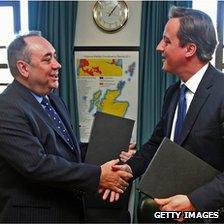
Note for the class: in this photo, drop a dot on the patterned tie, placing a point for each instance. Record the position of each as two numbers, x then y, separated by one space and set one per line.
182 106
57 120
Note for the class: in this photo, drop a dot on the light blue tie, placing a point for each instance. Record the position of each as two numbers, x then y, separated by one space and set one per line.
182 106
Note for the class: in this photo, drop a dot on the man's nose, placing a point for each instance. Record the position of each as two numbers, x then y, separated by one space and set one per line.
160 47
56 64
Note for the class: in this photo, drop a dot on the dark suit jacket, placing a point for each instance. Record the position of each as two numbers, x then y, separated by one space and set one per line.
41 179
202 134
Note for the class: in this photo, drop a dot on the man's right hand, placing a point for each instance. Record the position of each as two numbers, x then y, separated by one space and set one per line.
108 194
114 179
126 155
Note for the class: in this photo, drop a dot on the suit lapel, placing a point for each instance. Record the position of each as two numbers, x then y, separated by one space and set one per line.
26 94
59 109
55 103
42 113
201 95
50 122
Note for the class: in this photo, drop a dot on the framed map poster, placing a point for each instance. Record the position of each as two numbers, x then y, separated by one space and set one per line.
107 81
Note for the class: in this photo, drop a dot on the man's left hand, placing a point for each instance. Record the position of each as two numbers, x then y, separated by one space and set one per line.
175 203
126 155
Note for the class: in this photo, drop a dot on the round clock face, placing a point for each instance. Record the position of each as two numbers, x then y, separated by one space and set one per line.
110 15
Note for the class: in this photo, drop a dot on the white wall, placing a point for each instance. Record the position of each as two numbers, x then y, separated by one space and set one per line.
88 34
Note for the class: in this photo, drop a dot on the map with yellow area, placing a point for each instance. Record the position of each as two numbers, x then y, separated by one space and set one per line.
106 82
109 103
99 67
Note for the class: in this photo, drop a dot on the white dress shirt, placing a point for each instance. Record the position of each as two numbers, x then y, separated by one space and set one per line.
192 85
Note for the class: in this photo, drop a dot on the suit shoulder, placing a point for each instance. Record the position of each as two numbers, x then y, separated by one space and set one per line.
216 72
218 77
171 89
56 99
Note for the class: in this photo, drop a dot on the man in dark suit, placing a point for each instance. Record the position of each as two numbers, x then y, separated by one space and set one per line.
187 46
43 177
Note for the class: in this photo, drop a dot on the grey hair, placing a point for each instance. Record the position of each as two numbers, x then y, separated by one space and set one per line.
19 50
195 27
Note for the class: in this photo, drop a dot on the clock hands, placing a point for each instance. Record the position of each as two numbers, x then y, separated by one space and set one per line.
110 15
112 10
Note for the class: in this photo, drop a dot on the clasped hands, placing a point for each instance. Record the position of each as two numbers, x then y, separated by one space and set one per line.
114 178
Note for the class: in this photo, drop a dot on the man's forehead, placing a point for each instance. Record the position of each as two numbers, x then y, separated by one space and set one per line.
172 26
173 23
38 43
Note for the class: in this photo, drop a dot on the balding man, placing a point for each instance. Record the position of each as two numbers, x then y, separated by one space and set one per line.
43 177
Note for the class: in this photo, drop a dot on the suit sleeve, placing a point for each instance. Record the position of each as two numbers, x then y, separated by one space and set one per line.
210 197
22 150
142 158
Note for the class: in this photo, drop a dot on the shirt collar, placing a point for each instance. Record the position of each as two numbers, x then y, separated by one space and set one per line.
193 82
38 98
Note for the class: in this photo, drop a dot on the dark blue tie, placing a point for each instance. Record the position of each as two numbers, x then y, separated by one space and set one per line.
182 106
58 122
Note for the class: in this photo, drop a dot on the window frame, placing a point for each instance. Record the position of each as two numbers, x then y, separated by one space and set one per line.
16 13
17 27
3 65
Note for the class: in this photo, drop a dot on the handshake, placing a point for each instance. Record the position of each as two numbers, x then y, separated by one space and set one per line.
114 178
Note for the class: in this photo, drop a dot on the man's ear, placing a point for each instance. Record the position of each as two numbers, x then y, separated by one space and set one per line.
23 68
191 49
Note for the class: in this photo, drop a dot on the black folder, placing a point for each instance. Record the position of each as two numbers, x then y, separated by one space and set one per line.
109 136
174 170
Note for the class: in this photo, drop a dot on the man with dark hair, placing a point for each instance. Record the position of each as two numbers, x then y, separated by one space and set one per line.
43 177
193 109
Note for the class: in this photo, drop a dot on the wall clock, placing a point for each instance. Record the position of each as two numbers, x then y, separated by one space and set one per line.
110 16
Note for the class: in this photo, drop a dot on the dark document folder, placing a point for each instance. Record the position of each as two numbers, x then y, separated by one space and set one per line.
109 136
174 170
